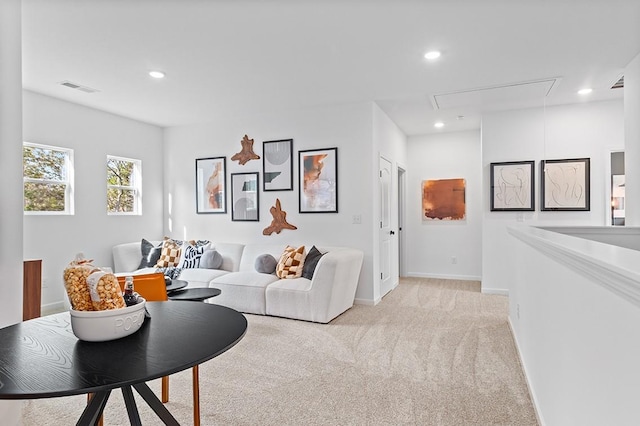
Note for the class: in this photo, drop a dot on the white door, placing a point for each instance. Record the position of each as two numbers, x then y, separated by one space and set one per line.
386 233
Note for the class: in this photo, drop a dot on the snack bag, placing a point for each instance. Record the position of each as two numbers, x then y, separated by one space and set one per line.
104 291
75 282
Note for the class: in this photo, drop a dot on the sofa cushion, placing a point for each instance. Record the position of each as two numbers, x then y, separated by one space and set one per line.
211 259
310 262
200 277
291 262
245 279
266 264
150 254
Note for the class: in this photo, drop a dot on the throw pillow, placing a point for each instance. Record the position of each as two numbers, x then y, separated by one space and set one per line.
291 263
170 254
211 259
150 254
191 254
310 262
266 264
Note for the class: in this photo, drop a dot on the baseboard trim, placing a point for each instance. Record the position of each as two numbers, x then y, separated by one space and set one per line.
500 291
367 302
443 276
52 308
536 409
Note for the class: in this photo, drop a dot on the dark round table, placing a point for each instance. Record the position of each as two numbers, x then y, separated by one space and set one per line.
176 285
194 293
42 358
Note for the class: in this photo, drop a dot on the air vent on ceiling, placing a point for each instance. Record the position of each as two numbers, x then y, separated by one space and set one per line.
78 87
619 84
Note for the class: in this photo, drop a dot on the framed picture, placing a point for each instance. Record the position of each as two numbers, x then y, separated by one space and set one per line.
277 165
444 199
211 185
245 197
564 185
318 180
512 186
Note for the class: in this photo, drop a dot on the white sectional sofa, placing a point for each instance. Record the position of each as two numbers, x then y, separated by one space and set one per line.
329 292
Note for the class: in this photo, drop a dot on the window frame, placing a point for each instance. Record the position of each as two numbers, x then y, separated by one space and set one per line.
136 179
69 205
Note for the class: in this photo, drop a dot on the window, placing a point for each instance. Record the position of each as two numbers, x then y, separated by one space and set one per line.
48 179
124 186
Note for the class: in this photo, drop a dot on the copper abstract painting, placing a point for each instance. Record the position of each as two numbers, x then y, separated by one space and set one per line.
443 199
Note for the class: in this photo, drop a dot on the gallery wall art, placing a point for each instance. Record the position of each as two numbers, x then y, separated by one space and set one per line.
512 186
565 185
211 185
318 180
245 196
246 154
443 199
277 165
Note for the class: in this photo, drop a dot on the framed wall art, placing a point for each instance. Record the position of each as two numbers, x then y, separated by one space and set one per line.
211 185
245 196
512 186
277 165
565 185
318 180
443 199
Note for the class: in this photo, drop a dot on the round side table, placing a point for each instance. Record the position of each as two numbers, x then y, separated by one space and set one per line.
198 294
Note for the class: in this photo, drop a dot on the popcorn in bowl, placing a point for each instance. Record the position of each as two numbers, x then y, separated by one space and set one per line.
110 324
98 310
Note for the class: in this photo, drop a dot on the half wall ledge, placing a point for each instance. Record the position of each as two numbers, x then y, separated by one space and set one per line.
615 268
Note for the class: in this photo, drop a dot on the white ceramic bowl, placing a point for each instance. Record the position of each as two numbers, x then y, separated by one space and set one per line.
100 326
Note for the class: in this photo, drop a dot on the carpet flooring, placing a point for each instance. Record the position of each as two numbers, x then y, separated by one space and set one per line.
432 352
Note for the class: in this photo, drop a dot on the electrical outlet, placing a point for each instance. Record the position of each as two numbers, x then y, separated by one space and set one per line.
454 260
357 219
518 310
45 283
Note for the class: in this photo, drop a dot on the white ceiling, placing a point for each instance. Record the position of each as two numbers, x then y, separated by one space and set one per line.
226 57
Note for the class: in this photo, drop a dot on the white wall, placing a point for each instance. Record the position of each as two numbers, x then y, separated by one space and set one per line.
347 127
572 131
93 135
432 244
11 188
632 141
577 339
390 143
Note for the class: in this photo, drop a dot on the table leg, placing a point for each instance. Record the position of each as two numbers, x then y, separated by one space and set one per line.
93 411
196 396
147 394
132 409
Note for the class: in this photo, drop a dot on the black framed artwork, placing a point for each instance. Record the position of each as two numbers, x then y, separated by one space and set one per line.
211 185
565 185
318 180
245 196
277 165
512 186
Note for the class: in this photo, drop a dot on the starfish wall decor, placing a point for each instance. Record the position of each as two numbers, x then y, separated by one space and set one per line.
279 221
246 153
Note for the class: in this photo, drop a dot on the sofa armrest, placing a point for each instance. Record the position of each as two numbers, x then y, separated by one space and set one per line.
335 280
126 257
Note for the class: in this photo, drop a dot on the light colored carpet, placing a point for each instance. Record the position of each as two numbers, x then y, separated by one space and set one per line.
433 352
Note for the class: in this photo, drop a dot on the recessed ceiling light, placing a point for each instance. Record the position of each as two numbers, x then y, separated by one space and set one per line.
156 74
585 91
438 125
434 54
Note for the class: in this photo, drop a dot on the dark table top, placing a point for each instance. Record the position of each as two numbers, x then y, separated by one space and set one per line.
176 285
42 358
195 293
